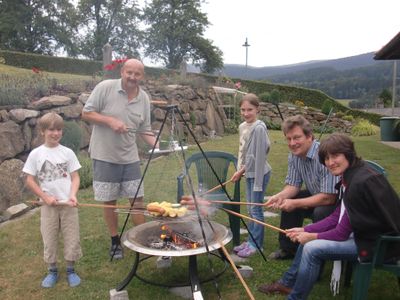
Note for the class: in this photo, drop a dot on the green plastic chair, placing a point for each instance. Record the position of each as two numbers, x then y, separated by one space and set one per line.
206 179
377 167
363 271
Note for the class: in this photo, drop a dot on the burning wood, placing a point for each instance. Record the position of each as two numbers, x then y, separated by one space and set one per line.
172 239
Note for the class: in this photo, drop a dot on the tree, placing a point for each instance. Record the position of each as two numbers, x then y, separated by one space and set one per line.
386 97
175 32
109 21
37 26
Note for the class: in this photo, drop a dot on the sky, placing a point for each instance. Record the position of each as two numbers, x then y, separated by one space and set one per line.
282 32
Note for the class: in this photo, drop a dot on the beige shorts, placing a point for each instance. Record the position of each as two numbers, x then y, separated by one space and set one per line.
56 219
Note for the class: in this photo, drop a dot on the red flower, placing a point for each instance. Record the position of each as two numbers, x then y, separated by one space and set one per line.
109 67
36 70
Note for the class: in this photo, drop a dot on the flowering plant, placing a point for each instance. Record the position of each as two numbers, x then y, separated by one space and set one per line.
238 85
113 69
115 64
36 70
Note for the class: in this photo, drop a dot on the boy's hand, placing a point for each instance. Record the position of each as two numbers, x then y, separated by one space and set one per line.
50 200
73 201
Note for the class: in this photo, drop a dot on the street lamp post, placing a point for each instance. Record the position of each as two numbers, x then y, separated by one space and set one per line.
247 45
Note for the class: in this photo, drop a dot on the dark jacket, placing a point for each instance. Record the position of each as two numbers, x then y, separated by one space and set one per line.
373 208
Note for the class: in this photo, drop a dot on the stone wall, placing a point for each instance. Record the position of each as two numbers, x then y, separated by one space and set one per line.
200 108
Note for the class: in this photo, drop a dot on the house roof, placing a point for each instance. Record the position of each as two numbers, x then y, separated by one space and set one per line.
390 51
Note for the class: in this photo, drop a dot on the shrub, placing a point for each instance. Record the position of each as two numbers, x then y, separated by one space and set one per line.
264 97
86 172
71 136
231 127
364 128
322 129
348 118
299 103
339 114
270 125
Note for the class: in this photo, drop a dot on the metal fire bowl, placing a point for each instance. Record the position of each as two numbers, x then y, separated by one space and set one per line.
137 238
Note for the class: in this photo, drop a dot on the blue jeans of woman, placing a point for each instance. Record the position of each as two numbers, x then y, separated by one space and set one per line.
304 271
256 212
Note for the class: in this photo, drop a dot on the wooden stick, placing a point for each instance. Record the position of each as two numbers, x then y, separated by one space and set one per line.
216 187
254 220
159 102
84 204
236 203
236 271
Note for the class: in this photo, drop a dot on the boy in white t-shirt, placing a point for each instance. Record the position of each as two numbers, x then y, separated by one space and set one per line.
52 175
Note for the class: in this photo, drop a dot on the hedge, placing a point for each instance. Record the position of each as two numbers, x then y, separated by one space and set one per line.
51 63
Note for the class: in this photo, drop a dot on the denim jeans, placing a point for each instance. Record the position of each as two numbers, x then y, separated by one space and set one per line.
256 212
304 271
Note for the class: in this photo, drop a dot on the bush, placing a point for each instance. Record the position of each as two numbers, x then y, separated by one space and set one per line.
339 114
364 128
264 97
86 172
231 127
299 103
71 136
348 118
271 125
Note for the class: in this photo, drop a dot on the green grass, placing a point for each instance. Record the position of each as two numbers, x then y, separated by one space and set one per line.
21 248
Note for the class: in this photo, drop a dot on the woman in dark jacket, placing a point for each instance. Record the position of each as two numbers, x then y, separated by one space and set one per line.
372 204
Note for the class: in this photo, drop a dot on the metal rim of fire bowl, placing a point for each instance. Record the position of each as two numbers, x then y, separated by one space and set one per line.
130 241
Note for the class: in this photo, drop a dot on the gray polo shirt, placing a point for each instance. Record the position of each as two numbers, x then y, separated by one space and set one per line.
108 98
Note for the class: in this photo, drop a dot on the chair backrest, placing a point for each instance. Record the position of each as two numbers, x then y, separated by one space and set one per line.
220 162
376 167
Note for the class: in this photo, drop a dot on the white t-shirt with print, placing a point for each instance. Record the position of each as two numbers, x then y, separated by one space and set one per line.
52 168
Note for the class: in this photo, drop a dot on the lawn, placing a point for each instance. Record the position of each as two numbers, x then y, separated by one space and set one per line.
22 266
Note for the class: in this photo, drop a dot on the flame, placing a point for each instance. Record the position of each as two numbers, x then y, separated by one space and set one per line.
177 238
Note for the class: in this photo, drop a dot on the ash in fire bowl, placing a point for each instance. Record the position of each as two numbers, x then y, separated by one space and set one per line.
176 238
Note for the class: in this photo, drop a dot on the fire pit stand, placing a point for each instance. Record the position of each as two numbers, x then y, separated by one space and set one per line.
139 239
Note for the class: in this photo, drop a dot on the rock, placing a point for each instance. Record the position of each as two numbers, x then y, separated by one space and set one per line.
184 292
20 114
200 117
86 131
11 140
164 262
15 211
11 184
245 271
4 115
118 295
83 98
69 112
48 102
